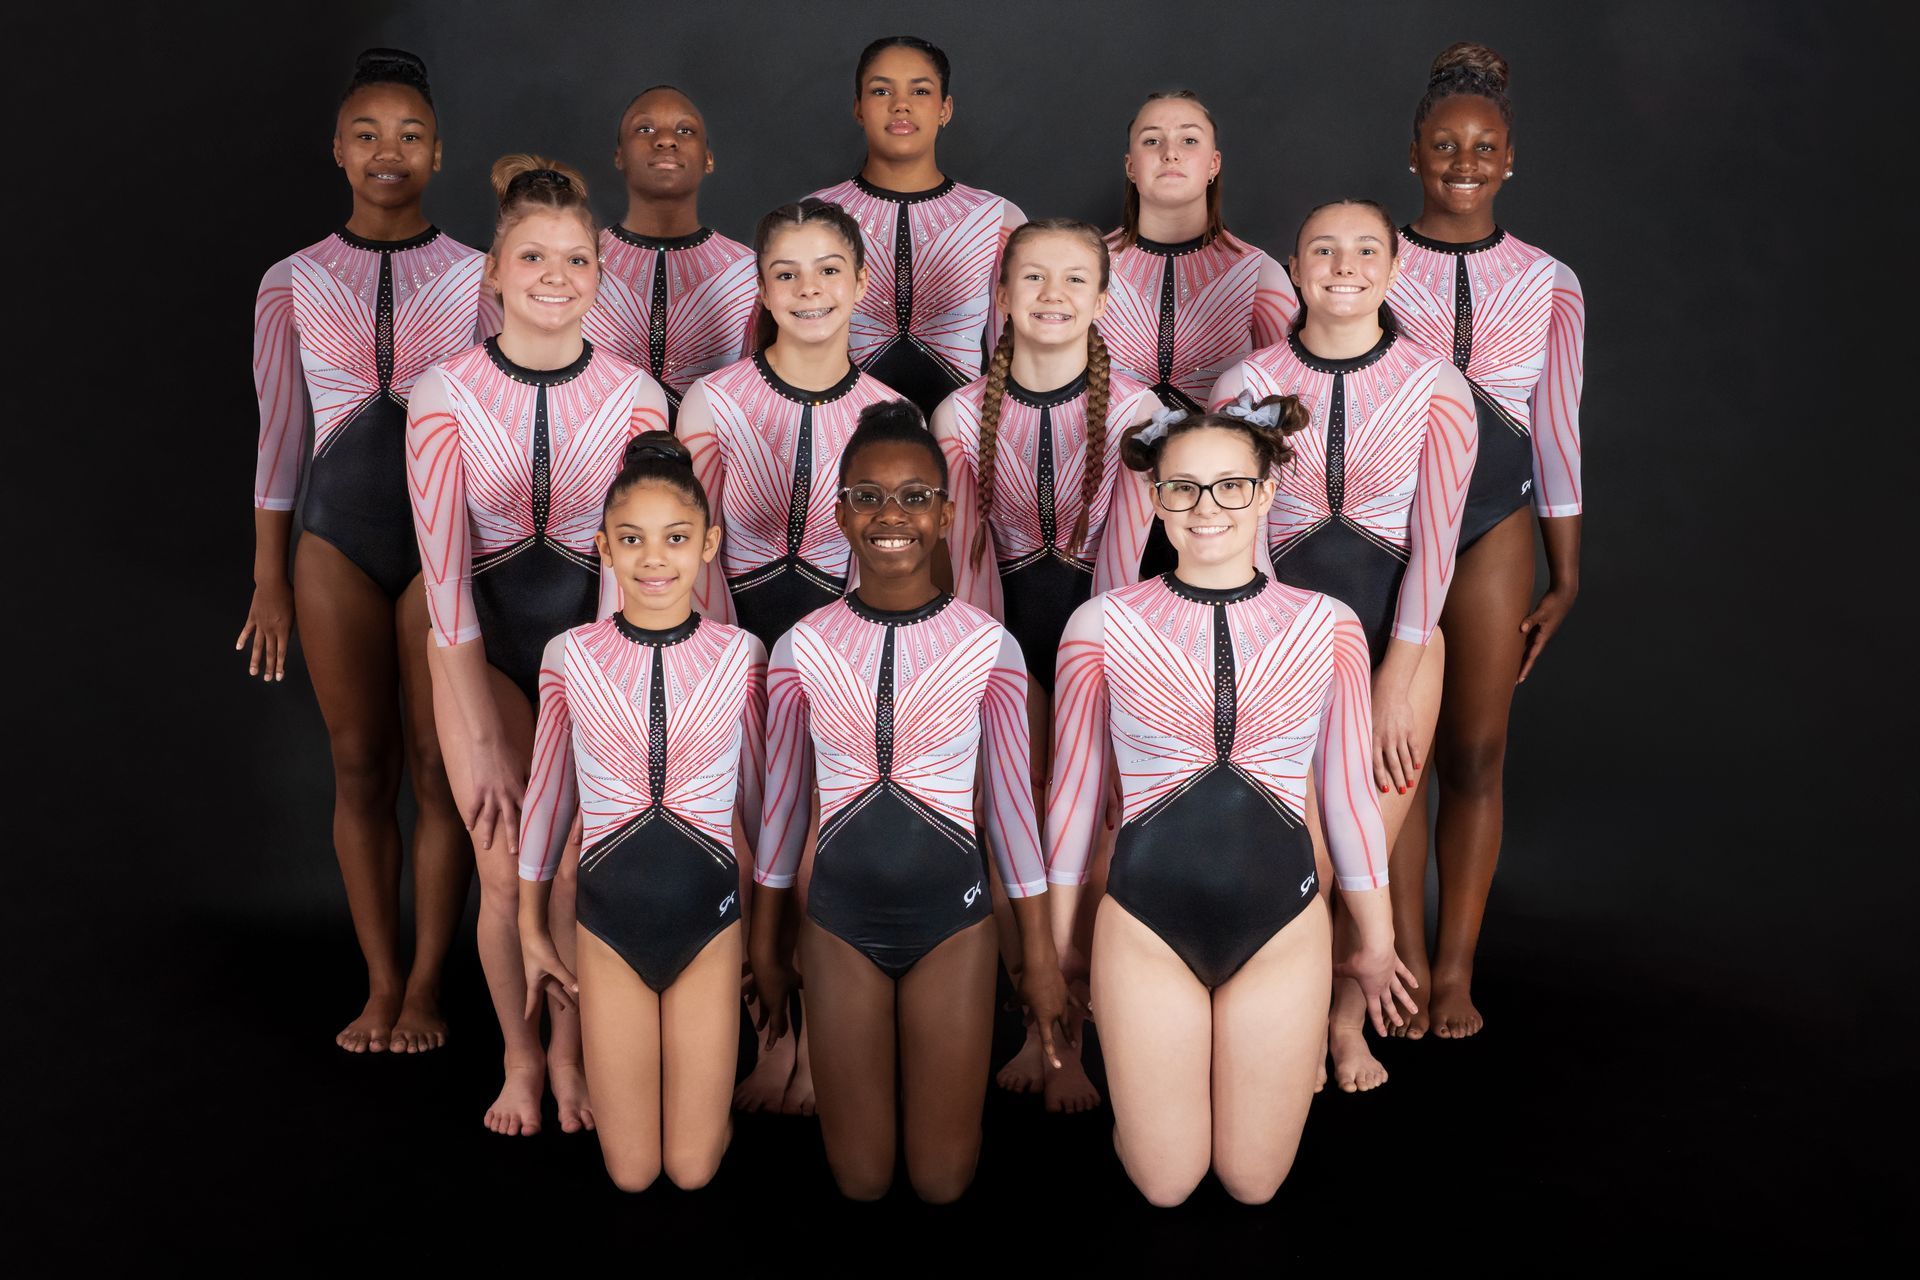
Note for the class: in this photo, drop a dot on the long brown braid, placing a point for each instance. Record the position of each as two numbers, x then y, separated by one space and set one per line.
1097 371
990 422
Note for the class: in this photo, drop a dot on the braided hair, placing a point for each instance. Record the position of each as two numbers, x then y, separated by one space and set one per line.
1466 69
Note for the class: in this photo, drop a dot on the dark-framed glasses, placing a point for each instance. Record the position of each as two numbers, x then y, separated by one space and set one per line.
1230 493
913 498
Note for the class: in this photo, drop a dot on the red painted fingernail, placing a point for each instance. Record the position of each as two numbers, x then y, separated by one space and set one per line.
1383 786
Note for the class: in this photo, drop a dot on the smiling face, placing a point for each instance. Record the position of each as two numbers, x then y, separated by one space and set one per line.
546 269
900 106
1052 288
1462 155
656 541
1209 535
1171 154
387 142
894 544
1344 262
808 283
663 146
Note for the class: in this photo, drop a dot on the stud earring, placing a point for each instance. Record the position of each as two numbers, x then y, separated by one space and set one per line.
1410 169
1509 173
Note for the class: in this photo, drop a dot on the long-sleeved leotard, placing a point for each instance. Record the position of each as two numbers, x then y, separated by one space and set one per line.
1514 321
1369 509
932 259
1179 315
679 308
768 455
892 716
345 327
657 737
1216 705
509 469
1030 575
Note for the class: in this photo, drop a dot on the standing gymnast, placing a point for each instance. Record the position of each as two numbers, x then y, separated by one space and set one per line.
510 449
924 327
342 329
1514 321
1044 514
676 297
1217 692
651 725
1368 511
895 701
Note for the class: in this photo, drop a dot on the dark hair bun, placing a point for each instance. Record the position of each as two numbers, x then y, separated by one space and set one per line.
656 445
521 173
897 415
390 66
1466 59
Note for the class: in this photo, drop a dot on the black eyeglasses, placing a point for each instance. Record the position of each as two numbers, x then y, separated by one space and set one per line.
913 498
1231 493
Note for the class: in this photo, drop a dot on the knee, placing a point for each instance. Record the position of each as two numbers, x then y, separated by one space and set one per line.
365 769
942 1184
1474 764
1166 1183
692 1166
1250 1185
862 1180
632 1172
429 768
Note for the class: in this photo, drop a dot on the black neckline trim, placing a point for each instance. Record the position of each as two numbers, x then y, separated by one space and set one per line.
1209 595
904 197
800 395
1353 364
665 243
1048 399
539 377
351 240
1449 246
658 639
1161 249
896 617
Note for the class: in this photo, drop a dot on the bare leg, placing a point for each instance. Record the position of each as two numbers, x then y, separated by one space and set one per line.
620 1017
565 1074
852 1004
1491 592
798 1100
1026 1071
1156 1030
1323 871
346 630
946 1046
1266 1038
1407 866
766 1083
700 1033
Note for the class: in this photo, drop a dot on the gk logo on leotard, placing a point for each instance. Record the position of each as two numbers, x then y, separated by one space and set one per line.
972 893
1306 886
1526 487
727 902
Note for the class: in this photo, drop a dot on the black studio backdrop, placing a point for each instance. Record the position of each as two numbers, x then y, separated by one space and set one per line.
1690 823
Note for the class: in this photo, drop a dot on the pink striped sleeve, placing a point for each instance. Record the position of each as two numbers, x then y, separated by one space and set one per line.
753 742
1013 829
1439 503
1076 793
1343 762
785 811
437 486
976 582
1556 401
649 407
1275 304
1129 512
552 792
699 432
280 385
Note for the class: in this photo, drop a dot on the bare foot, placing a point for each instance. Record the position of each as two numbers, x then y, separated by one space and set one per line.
516 1112
373 1029
420 1026
799 1096
1419 1022
1069 1090
1451 1005
766 1084
1355 1069
569 1085
1022 1073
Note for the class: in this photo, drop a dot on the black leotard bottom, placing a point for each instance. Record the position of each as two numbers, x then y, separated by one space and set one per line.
357 495
915 372
1502 480
893 880
523 598
1216 870
770 599
1041 594
657 891
1339 560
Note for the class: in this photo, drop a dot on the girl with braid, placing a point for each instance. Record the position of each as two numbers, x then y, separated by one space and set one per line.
1045 517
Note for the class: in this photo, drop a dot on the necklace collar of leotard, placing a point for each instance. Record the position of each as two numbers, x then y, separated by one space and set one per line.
539 377
667 243
903 197
897 617
1160 248
1209 595
1320 364
800 395
1047 399
1450 246
659 639
387 246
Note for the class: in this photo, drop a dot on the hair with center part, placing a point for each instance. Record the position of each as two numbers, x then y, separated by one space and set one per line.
1466 69
934 54
1129 231
789 217
891 422
1270 448
655 457
1098 383
1392 236
527 184
389 66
